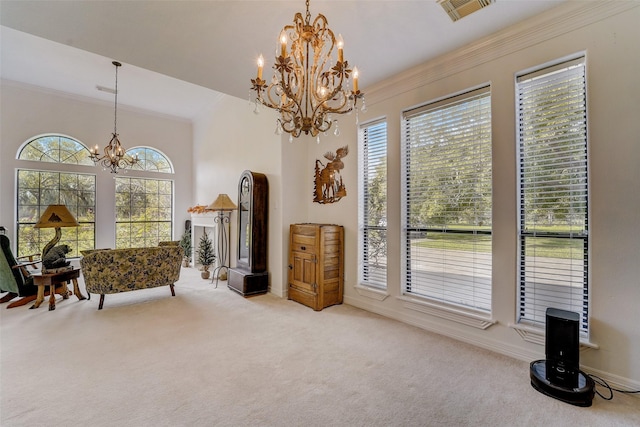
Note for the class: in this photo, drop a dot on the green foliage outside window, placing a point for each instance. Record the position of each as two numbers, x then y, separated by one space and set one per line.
150 160
144 207
39 189
143 212
56 149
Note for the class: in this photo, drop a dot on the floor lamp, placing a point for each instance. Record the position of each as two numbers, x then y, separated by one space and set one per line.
223 205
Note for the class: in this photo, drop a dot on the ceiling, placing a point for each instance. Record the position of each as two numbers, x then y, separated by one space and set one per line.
180 56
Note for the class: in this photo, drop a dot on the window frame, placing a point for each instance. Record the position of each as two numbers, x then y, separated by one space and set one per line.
475 304
61 166
146 240
534 296
80 160
373 274
143 164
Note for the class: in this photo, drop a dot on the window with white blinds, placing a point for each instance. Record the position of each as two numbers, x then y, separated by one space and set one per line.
554 193
373 204
446 200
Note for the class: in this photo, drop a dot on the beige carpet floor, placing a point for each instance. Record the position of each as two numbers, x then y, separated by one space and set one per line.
208 357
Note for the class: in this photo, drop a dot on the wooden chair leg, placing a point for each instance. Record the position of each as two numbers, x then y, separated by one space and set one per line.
101 301
173 292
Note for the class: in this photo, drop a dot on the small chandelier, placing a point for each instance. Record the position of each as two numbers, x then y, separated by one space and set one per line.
114 156
307 86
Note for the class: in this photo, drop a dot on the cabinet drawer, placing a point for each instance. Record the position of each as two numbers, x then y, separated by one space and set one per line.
303 243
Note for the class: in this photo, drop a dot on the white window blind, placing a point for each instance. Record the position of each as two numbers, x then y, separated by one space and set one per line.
373 204
446 206
553 185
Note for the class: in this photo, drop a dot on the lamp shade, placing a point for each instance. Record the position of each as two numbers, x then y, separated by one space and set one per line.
56 216
222 203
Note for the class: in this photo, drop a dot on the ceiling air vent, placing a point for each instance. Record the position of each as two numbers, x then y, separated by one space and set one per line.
457 9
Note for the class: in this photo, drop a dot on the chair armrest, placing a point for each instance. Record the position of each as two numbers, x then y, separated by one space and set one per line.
29 257
25 271
25 264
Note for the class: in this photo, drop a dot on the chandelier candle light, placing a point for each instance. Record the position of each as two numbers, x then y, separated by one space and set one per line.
114 157
307 87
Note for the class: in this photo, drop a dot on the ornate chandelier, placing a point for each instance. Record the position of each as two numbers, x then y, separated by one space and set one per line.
307 86
114 156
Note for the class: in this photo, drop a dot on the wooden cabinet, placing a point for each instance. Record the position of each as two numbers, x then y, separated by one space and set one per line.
316 264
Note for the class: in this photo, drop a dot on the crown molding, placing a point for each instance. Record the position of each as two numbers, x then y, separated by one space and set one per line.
540 28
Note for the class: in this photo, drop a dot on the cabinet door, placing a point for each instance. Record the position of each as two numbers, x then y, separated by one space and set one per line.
302 275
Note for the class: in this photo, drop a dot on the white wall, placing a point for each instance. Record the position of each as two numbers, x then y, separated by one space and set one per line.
228 140
28 111
610 40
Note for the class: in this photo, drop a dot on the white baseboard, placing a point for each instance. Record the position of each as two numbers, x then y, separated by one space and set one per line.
490 344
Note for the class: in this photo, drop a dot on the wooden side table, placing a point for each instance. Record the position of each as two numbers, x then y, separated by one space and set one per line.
42 280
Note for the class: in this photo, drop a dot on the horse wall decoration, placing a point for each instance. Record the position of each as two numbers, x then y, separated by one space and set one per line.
328 185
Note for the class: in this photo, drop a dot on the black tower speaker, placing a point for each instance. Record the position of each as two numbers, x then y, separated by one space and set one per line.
562 347
559 375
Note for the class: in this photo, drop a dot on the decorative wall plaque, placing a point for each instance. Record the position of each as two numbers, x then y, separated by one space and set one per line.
328 186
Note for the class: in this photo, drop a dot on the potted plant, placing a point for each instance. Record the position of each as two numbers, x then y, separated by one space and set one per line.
185 244
205 254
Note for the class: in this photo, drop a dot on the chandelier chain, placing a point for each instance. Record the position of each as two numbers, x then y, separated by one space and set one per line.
115 108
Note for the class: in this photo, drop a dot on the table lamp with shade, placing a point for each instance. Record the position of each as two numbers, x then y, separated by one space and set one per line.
55 216
223 205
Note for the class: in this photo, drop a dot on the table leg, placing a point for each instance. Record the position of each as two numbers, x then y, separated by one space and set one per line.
76 290
52 297
39 297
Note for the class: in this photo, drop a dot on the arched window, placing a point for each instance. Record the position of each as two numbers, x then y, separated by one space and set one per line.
150 160
55 149
55 184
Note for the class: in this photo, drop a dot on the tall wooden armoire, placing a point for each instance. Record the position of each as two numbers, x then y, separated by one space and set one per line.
316 264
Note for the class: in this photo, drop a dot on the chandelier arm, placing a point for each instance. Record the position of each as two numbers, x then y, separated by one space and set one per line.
324 106
286 88
269 102
294 109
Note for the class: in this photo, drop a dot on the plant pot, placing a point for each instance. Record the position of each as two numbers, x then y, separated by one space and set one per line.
205 274
185 262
